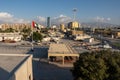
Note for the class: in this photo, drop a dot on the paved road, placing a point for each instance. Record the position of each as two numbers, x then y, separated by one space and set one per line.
110 41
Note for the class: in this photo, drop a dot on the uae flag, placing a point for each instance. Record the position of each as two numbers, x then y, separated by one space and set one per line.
35 25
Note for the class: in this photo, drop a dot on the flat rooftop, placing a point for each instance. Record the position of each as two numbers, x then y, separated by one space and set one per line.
14 50
59 48
9 63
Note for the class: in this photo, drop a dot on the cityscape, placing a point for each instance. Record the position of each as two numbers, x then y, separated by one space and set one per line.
60 40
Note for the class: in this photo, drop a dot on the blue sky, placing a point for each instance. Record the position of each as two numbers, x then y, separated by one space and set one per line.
60 10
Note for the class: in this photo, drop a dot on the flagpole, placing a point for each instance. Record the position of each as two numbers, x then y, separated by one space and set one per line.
32 35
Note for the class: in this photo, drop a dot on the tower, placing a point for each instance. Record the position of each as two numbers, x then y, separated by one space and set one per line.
48 22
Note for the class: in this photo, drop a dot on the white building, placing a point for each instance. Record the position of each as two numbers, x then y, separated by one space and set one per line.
10 36
90 40
81 37
46 39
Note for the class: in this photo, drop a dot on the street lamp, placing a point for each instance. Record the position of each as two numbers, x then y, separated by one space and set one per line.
74 16
74 13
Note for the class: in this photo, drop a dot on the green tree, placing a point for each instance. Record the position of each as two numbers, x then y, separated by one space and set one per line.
1 30
37 36
9 30
102 65
26 32
113 64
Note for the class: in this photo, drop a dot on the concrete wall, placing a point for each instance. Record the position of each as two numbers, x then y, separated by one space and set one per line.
12 77
24 72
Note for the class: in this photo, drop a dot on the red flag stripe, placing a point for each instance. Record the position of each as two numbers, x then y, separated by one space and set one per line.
33 24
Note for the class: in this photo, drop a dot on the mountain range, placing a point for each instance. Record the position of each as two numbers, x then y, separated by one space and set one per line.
99 25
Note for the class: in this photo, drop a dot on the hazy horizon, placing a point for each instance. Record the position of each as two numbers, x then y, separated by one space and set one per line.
60 11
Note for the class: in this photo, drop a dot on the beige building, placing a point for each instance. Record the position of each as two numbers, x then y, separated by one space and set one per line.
116 34
73 25
75 32
16 67
62 27
17 27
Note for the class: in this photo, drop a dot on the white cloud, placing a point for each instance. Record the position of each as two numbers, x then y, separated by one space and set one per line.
60 16
41 19
9 18
108 19
101 19
61 19
5 15
55 20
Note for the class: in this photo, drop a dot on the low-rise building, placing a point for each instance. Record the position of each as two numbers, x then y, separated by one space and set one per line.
117 34
89 40
77 32
81 37
16 67
10 37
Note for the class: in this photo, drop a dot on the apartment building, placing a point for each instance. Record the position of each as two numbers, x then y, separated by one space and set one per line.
73 24
17 27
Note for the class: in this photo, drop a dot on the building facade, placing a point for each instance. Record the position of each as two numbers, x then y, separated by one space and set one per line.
75 32
73 25
62 27
16 67
10 37
17 27
48 22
